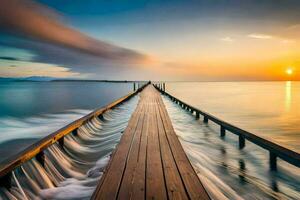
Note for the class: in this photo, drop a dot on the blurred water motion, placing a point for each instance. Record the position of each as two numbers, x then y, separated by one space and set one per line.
72 171
32 110
268 109
227 172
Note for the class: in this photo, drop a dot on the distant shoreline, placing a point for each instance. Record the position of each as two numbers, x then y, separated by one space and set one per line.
76 80
46 79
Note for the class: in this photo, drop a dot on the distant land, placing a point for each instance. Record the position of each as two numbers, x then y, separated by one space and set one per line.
53 79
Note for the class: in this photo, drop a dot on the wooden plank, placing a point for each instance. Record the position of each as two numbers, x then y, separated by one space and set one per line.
139 185
109 186
191 181
175 187
126 187
155 184
149 162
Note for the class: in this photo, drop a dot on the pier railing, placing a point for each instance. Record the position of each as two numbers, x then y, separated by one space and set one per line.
274 149
36 150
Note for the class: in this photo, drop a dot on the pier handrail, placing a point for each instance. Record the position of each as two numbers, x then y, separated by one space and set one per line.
275 150
37 148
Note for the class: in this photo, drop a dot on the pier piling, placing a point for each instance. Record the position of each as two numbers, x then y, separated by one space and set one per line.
273 161
61 142
205 120
241 141
40 157
5 181
223 131
75 132
197 115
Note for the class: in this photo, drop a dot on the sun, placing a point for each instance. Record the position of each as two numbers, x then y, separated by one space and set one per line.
289 71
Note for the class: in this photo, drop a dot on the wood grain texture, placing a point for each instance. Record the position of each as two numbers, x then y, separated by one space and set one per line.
149 162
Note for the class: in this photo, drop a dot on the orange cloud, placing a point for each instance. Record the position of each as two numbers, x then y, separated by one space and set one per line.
37 22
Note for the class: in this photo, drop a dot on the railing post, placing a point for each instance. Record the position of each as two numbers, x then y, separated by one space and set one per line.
40 157
241 141
5 181
223 131
273 161
134 86
75 132
197 115
205 120
61 141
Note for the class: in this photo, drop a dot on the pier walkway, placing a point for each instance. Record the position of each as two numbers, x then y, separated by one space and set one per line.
149 162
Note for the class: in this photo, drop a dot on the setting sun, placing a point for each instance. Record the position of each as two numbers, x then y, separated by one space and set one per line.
289 71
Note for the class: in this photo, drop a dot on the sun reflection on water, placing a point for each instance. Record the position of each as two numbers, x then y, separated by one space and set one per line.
288 95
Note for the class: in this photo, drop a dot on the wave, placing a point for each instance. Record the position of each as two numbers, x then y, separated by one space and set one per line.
73 170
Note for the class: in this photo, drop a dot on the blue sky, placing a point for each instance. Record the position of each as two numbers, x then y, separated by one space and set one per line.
184 40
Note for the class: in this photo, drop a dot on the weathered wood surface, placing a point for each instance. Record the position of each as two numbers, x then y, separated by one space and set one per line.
149 162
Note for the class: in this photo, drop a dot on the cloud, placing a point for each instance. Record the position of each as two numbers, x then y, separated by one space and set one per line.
36 69
260 36
35 21
227 39
9 58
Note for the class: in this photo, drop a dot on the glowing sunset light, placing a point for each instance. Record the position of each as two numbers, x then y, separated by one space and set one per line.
289 71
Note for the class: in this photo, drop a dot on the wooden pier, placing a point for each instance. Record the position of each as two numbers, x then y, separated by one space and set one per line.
149 162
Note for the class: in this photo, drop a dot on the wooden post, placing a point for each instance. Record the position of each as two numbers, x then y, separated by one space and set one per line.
197 115
241 141
100 117
273 161
40 157
74 132
164 87
134 86
223 131
205 120
61 142
5 181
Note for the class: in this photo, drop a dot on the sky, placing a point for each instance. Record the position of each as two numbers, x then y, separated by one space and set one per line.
178 40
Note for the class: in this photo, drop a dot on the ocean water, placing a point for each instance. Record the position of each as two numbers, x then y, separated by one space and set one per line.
32 110
72 171
226 171
268 109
